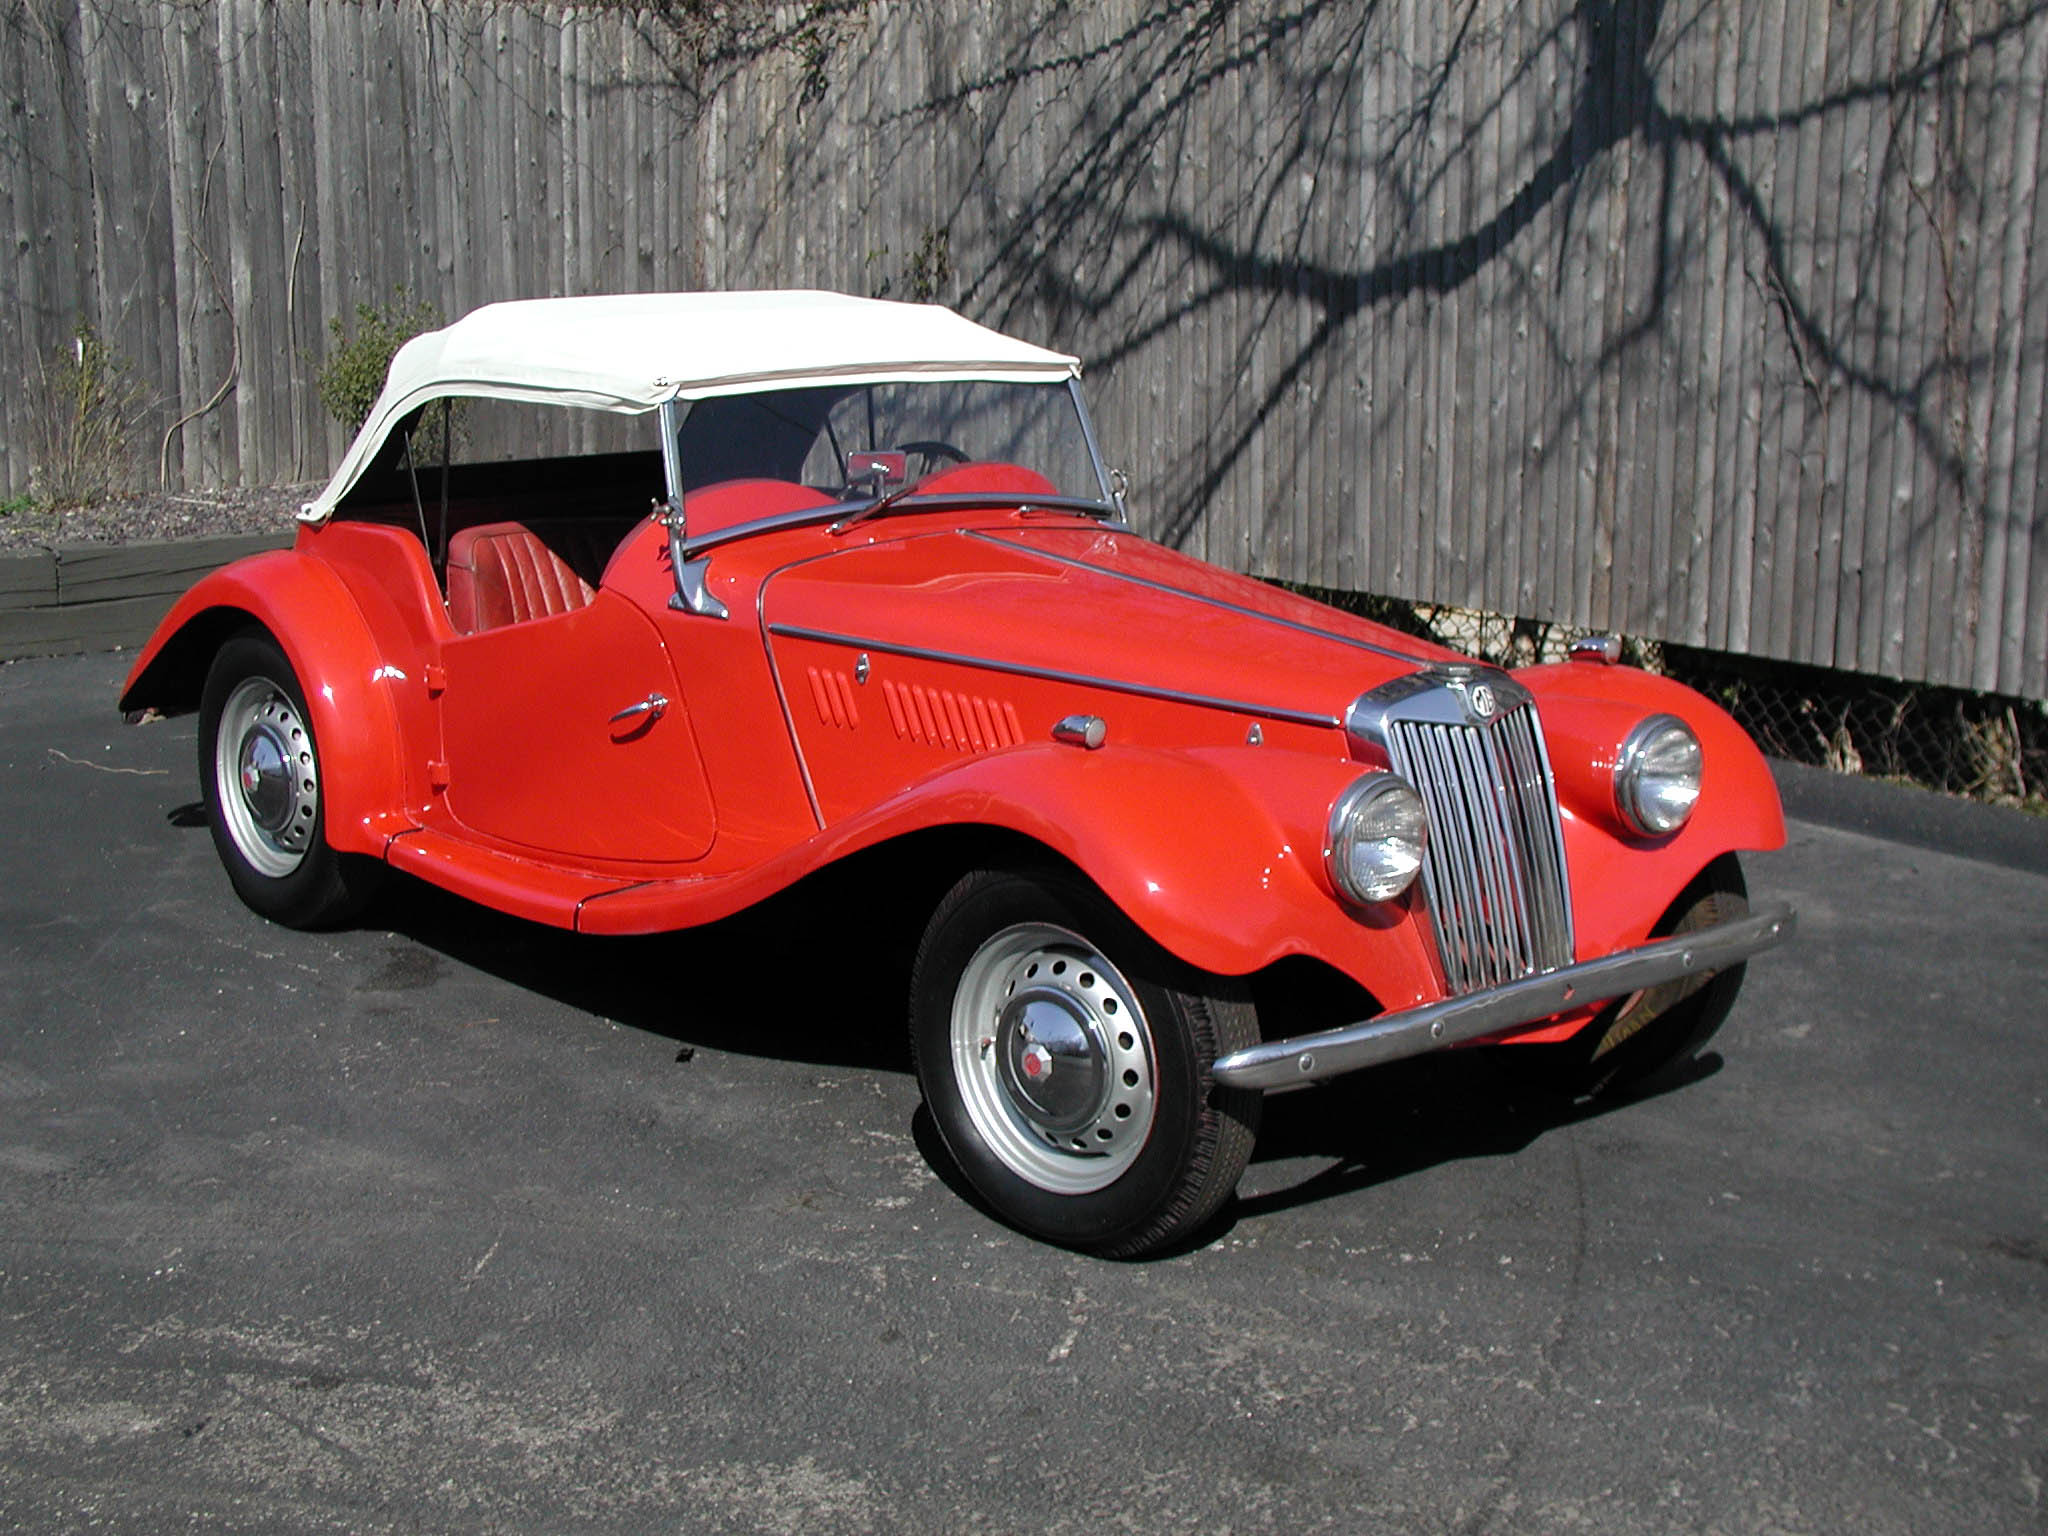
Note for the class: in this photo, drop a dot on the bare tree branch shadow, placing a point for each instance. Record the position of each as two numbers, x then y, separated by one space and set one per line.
1115 243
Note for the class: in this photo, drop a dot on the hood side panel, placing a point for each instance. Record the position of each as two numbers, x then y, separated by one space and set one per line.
1106 609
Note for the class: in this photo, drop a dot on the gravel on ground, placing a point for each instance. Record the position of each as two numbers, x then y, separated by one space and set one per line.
155 515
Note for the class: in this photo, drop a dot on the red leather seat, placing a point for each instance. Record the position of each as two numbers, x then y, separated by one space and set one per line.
508 573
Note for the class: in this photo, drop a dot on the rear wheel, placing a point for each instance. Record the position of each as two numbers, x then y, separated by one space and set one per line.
1065 1060
259 771
1662 1027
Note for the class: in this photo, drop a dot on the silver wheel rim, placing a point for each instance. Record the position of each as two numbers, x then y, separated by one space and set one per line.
267 777
1054 1059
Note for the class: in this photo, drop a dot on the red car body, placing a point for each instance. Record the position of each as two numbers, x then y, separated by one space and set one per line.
1015 681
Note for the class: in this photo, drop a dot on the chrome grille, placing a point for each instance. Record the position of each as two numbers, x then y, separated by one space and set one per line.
1493 876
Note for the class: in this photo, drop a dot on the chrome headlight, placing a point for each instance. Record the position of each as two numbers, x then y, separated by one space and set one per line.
1657 776
1377 832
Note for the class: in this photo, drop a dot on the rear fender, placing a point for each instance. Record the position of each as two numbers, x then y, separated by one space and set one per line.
306 609
1216 854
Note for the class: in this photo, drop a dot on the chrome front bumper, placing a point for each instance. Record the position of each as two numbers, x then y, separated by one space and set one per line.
1431 1026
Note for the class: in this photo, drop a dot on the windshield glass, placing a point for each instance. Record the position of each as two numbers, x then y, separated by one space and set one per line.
855 443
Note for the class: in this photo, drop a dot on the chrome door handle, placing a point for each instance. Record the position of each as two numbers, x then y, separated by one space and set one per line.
654 706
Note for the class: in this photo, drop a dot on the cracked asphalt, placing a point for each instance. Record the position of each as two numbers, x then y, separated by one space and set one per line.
445 1223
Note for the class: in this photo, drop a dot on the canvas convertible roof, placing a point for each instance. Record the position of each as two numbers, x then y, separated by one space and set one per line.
631 352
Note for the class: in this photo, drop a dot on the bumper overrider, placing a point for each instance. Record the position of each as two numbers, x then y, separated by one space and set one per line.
1432 1026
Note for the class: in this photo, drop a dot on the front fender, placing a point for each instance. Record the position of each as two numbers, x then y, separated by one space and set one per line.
1621 881
1216 854
309 612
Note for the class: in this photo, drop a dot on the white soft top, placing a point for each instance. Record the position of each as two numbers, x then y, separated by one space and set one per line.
632 352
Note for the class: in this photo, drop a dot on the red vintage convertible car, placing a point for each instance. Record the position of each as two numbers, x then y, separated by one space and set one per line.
886 595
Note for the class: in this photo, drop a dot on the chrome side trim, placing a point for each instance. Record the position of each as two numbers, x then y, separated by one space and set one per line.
1196 597
796 741
1432 1026
576 915
1047 674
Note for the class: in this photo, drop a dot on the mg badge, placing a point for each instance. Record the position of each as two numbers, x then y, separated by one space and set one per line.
1480 698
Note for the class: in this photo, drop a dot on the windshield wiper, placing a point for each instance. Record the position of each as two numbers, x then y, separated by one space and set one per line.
874 508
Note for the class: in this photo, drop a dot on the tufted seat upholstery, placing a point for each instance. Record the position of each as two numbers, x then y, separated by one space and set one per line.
507 573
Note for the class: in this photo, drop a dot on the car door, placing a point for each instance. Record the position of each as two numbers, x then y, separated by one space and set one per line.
568 735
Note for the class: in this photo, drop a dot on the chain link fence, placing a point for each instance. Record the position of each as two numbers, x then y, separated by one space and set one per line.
1984 746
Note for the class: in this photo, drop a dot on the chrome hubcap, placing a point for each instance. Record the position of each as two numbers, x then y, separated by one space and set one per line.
268 779
1054 1058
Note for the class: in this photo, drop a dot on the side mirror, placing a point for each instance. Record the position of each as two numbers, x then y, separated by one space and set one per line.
878 471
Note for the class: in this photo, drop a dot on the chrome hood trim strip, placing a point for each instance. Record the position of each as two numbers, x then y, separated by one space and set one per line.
1048 674
1022 547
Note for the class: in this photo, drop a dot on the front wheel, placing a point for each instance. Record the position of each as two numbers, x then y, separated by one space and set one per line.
259 771
1648 1037
1065 1060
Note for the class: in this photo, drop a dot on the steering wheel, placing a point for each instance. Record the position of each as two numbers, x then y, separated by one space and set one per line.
932 451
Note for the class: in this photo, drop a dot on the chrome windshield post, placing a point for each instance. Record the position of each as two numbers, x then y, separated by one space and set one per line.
1112 481
693 592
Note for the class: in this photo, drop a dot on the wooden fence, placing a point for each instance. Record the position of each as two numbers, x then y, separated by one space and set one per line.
1712 322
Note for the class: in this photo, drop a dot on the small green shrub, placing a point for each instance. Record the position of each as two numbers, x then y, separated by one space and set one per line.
85 419
354 373
10 505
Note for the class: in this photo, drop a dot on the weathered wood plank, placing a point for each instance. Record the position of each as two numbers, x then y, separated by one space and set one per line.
2023 70
1822 484
1725 327
1922 486
2024 661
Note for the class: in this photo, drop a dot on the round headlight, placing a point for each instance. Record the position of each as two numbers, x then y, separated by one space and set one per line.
1657 776
1378 829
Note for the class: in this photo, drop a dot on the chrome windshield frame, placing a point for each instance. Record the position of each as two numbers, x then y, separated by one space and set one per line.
1109 506
1111 496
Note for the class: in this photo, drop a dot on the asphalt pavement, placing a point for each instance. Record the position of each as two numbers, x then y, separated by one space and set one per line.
447 1223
